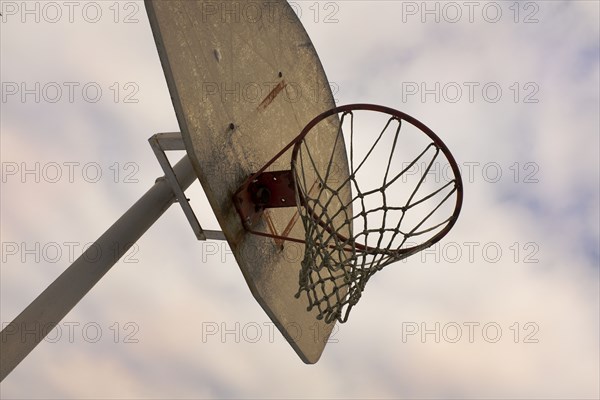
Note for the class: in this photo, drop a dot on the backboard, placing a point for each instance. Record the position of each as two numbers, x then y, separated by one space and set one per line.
245 79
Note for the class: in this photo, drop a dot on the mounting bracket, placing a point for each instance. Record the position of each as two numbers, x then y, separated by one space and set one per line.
273 189
166 141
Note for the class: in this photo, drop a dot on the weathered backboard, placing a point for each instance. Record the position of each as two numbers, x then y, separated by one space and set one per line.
245 79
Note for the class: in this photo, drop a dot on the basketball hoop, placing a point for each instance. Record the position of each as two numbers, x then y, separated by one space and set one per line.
353 230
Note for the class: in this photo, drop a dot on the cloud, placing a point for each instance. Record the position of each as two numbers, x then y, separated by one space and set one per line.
523 256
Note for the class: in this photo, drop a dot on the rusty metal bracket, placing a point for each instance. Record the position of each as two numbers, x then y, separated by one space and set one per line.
273 189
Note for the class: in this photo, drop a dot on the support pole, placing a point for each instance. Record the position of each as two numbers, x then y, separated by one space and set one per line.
30 327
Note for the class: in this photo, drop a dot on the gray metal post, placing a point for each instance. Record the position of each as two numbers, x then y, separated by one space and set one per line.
31 326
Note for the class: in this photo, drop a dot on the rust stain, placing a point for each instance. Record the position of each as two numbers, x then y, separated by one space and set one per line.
272 229
271 96
294 219
291 224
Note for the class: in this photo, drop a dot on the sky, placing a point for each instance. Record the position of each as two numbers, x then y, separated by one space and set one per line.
506 306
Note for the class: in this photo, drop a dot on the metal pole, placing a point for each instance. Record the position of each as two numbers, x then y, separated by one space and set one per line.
33 324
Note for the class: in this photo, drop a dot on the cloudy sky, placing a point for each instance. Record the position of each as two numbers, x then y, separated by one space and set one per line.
505 306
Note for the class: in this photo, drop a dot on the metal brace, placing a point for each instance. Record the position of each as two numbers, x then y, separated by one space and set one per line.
160 143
